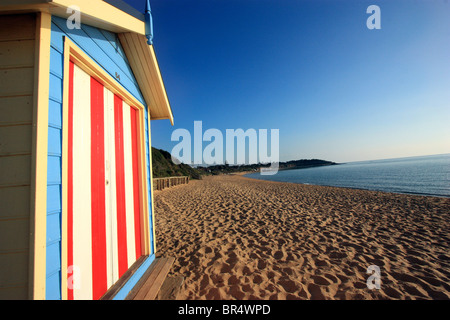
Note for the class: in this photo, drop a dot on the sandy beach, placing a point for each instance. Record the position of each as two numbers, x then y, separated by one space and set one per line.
234 237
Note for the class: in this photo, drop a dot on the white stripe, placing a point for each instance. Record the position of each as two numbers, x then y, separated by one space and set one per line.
113 195
82 243
128 168
108 108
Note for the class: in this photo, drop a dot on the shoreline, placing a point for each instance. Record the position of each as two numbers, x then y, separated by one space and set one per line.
235 237
355 188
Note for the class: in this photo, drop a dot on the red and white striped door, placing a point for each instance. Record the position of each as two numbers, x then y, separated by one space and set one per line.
103 210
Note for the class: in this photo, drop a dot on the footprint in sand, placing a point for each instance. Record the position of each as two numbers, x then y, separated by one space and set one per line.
278 255
316 292
319 280
261 264
288 285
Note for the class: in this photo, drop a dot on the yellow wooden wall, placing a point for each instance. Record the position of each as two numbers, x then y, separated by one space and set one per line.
17 59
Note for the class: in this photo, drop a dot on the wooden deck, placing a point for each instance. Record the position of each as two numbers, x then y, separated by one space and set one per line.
170 288
151 282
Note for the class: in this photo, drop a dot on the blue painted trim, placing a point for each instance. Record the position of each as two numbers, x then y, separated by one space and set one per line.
54 182
148 23
149 182
122 294
99 48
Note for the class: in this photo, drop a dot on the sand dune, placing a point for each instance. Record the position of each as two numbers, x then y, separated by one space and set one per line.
240 238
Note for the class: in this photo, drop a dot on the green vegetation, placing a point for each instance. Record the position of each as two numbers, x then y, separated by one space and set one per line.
294 164
305 163
163 166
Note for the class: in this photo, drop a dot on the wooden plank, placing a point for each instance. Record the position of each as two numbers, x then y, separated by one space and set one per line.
102 15
23 26
91 48
146 69
129 191
148 152
15 170
162 183
142 281
114 41
16 82
14 201
14 236
170 288
154 75
22 2
154 280
160 83
138 64
109 295
16 110
95 13
110 50
158 281
17 34
15 140
38 168
147 280
13 278
81 189
88 64
15 54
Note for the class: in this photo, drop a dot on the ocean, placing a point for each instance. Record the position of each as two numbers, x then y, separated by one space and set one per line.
422 175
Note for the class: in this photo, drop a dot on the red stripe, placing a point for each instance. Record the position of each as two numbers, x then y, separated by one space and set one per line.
137 214
70 183
98 218
120 187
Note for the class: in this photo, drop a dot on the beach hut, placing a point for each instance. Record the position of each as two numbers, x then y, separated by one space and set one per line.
79 86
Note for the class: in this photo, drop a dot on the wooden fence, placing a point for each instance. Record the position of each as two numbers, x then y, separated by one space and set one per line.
162 183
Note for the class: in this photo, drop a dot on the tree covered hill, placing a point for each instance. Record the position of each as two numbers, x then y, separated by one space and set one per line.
163 166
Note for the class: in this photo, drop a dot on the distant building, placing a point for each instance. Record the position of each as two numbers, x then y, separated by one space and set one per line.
76 208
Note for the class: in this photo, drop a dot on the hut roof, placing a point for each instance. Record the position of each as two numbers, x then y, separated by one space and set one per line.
118 17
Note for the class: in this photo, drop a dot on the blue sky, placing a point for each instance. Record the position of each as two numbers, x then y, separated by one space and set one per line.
312 69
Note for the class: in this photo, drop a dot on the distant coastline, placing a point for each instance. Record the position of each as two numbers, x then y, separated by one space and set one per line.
163 166
289 165
305 163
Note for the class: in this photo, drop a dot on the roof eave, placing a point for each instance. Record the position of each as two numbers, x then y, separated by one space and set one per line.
143 62
131 31
96 13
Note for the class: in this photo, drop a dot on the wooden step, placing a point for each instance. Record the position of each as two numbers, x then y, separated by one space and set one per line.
170 288
148 287
109 295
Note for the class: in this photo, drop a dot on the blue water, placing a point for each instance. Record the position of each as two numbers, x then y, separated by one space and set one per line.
424 175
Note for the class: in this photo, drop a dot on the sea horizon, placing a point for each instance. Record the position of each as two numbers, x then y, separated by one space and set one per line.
426 175
396 158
